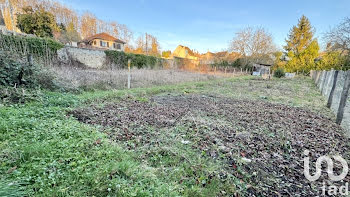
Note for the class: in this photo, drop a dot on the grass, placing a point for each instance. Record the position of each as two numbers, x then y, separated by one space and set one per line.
91 79
44 152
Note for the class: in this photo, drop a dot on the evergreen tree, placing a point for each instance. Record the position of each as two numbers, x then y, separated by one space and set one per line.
301 48
36 21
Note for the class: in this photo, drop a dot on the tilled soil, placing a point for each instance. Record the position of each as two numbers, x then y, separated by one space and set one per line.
262 143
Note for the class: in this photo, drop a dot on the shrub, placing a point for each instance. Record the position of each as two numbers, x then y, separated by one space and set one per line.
38 47
120 59
16 72
279 72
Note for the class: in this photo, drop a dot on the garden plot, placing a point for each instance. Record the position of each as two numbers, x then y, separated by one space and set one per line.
259 145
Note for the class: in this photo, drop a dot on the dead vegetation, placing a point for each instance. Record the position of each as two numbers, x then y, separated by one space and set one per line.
117 78
260 143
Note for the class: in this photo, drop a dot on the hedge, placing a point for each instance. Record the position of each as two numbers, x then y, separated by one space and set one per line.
120 59
38 47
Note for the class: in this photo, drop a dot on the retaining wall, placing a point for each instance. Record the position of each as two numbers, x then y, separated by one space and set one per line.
95 58
324 81
82 57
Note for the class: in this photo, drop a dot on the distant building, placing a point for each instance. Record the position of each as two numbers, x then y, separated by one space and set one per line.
72 44
210 58
102 41
184 52
261 69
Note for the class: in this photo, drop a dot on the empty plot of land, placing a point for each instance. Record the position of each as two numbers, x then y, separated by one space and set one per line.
257 140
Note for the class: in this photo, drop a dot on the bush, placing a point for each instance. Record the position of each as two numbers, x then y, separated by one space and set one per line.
16 72
279 72
38 47
120 59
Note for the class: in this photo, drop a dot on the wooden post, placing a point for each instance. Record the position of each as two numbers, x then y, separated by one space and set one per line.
330 98
30 59
343 98
129 73
215 70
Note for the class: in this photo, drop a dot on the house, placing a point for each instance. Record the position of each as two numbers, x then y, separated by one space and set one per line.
102 41
184 52
211 58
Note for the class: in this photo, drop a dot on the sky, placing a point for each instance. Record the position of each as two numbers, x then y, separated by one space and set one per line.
210 24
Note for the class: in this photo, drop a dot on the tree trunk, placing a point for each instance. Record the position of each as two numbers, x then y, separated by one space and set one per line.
2 21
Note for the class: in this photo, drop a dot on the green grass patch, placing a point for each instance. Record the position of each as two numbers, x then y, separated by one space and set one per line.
45 152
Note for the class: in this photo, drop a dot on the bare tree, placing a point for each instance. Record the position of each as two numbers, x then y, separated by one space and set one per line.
338 38
125 34
88 24
253 43
2 20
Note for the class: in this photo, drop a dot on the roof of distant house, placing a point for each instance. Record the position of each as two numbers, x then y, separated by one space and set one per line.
189 51
103 36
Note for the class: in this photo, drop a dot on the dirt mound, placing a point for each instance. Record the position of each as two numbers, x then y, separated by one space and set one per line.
262 143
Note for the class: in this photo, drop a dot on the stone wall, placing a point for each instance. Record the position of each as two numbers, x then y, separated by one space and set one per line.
82 57
324 81
96 58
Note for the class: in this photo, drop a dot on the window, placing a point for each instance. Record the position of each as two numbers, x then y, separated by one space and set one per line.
117 46
103 44
94 42
107 44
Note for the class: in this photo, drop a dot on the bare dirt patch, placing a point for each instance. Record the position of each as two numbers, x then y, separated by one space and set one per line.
261 143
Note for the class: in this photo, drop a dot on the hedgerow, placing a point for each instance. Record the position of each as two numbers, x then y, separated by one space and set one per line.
120 59
38 47
238 63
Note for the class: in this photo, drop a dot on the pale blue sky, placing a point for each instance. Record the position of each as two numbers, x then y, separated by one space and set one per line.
205 24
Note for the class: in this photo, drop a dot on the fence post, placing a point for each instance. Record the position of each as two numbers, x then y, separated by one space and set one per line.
129 73
30 59
330 98
343 98
21 73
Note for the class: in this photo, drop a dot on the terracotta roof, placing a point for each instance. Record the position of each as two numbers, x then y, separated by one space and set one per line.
103 36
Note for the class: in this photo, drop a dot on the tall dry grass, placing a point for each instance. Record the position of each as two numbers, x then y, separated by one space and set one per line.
88 79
